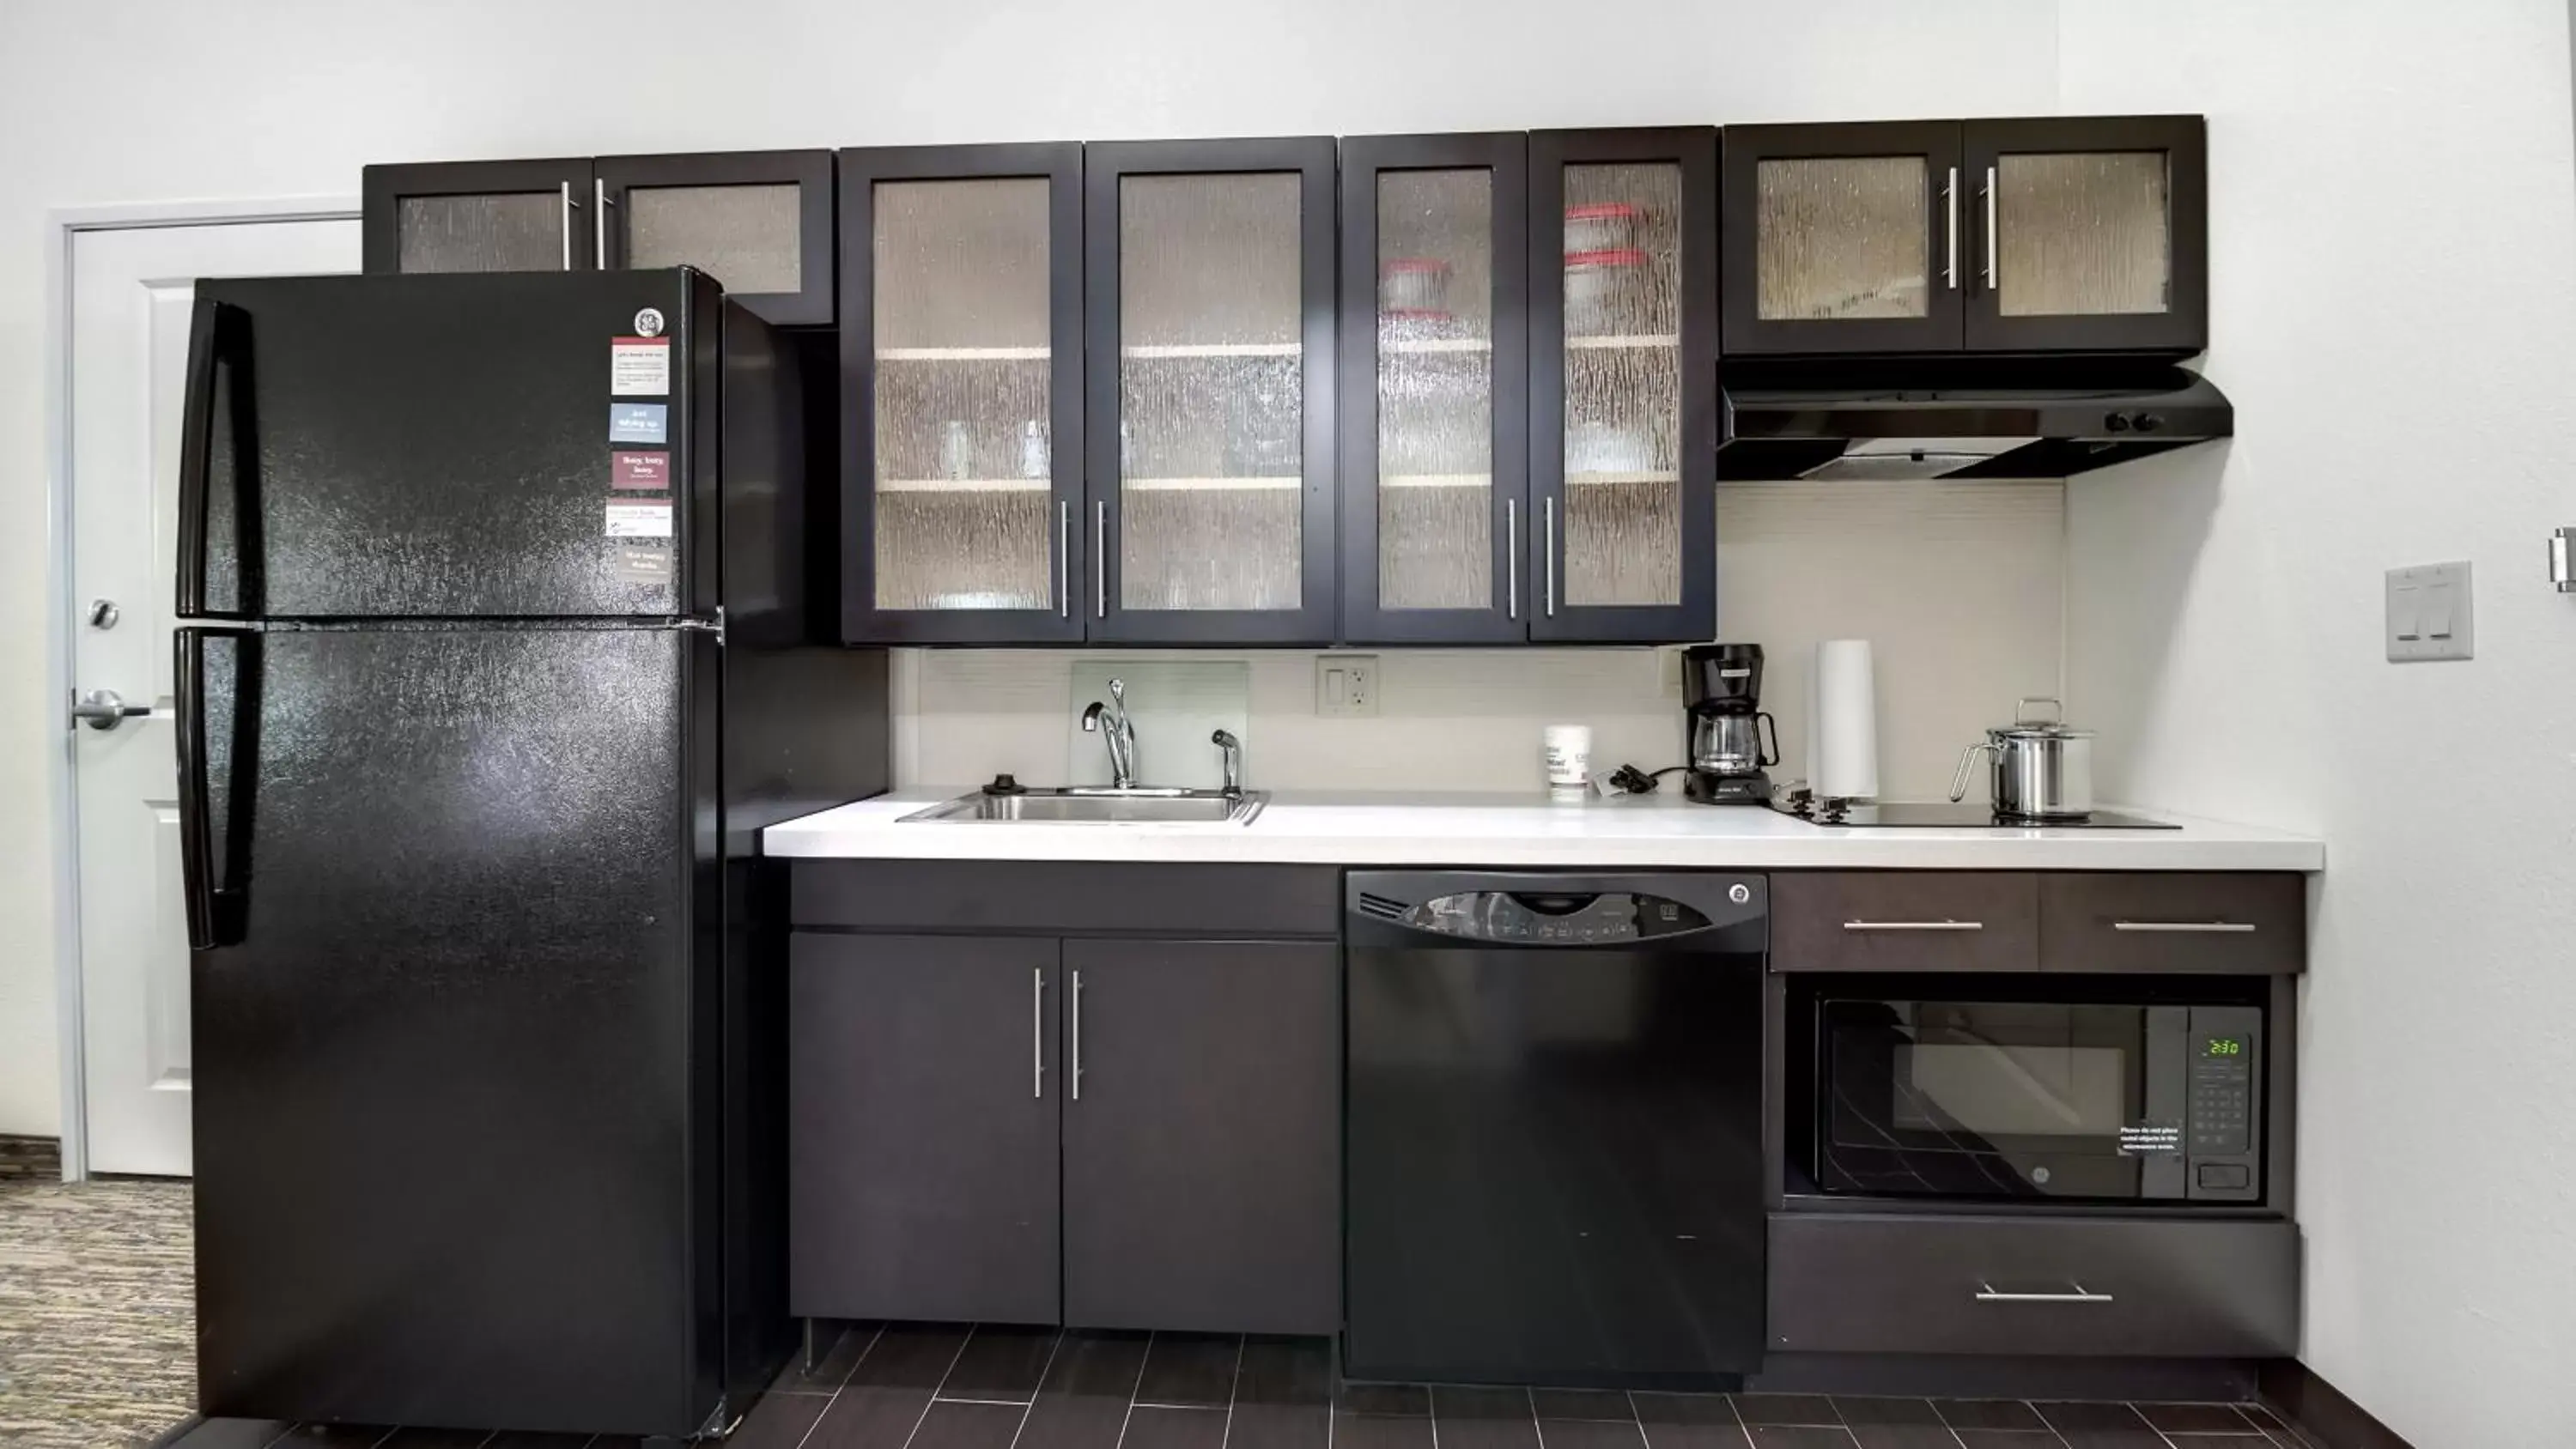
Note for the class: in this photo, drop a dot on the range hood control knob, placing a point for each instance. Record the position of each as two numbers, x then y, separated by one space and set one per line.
2149 422
2116 422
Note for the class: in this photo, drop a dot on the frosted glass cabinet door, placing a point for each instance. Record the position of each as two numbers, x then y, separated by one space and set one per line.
479 216
1623 384
1209 304
1844 238
961 360
760 222
1435 412
2090 234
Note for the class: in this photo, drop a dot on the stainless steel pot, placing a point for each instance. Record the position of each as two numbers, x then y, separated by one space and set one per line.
2039 768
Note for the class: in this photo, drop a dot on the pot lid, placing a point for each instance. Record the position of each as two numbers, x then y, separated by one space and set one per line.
2038 717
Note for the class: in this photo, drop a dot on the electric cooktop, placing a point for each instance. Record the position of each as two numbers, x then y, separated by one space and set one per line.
1892 814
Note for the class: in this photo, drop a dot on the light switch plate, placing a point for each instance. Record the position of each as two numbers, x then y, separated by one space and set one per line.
1345 684
2430 614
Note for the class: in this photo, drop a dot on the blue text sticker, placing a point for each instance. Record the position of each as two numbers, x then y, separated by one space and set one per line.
639 422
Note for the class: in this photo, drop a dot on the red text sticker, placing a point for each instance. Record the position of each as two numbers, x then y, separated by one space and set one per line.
640 470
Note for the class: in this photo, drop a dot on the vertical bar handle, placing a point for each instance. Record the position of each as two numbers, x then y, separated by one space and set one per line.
213 909
1063 559
1077 1036
1037 1032
197 452
569 207
1548 548
1512 558
1990 228
1099 572
1950 200
598 223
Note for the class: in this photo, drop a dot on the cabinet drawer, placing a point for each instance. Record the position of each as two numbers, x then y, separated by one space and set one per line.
1990 1285
2241 925
1071 897
1904 921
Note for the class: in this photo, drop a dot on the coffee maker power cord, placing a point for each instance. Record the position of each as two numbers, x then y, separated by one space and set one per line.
1629 780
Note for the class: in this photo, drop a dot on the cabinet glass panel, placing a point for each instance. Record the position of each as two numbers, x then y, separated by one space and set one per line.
508 232
965 513
2082 234
1210 375
1623 394
1843 237
747 237
1435 389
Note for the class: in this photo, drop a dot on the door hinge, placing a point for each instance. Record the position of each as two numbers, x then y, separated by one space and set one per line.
2562 567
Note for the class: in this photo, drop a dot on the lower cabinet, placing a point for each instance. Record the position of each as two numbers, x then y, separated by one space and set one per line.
2138 1287
1186 1095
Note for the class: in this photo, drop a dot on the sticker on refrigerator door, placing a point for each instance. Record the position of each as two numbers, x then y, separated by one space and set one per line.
639 422
647 471
641 563
639 520
639 367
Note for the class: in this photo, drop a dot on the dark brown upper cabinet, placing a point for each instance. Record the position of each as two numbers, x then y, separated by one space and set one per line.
1208 303
1435 389
479 216
2064 234
759 222
1623 338
965 519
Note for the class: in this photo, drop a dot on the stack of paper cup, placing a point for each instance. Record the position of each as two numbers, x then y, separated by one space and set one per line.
1842 722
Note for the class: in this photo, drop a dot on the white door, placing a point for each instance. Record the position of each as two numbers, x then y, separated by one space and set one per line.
131 290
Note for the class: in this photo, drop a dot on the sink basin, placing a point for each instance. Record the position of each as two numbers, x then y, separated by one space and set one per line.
1096 805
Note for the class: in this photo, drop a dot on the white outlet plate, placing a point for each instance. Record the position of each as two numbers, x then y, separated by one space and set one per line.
1346 684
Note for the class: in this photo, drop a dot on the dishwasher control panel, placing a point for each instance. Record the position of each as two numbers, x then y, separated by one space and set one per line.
1569 918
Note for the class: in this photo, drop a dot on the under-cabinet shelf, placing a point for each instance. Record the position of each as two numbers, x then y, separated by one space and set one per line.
1436 480
963 485
1212 485
1214 349
1415 345
1588 480
1625 342
963 354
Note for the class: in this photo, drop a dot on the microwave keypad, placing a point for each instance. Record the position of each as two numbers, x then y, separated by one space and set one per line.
2222 1103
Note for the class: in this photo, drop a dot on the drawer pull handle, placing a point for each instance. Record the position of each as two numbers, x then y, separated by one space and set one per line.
2219 928
1914 925
1986 1294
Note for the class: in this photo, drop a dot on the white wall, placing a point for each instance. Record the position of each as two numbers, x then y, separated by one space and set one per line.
1959 585
2393 309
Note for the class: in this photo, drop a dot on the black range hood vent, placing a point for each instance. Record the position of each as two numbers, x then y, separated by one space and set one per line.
2006 417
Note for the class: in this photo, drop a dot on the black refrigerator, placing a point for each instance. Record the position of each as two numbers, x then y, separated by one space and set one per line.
499 591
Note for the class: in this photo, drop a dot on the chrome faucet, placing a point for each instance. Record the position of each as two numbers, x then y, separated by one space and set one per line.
1110 722
1232 748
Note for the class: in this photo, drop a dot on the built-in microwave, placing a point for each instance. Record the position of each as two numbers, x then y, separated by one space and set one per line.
2112 1090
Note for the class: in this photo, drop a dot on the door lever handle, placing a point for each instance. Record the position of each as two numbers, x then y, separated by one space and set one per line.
105 709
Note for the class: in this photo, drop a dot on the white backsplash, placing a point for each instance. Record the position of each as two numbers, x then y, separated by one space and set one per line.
1961 586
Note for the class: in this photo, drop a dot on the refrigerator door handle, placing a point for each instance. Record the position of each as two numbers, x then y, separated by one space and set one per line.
213 909
215 332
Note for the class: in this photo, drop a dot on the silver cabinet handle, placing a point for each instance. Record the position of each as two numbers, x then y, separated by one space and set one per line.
599 224
1550 551
1077 1036
1099 568
569 207
1914 925
2209 928
1990 228
1064 560
1950 198
1037 1031
1986 1294
1512 558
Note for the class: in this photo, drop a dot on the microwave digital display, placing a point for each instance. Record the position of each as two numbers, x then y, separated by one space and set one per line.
2226 1046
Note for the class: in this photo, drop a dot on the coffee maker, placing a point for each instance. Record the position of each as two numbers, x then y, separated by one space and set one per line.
1728 730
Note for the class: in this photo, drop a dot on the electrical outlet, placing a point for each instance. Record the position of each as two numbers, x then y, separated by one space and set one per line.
1345 684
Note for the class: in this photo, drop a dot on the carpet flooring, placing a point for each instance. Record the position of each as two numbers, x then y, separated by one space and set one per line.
97 1313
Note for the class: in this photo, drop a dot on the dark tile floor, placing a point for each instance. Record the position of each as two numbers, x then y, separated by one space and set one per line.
918 1386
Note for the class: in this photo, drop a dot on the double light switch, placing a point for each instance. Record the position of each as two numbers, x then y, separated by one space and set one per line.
2429 613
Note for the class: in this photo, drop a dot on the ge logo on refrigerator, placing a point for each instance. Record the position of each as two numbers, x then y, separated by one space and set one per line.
648 323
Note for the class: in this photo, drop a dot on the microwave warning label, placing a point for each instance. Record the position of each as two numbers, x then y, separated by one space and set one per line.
2150 1139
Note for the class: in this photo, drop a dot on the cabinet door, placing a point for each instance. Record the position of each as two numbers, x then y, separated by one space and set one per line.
1202 1136
1210 305
1623 385
1435 388
759 222
480 216
961 419
923 1080
1845 238
2092 234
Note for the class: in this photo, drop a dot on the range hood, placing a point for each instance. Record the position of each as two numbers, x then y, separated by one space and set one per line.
2012 417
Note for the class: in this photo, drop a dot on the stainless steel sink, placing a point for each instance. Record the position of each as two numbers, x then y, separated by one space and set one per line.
1096 805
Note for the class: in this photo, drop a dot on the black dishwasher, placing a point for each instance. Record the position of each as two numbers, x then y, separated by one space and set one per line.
1555 1126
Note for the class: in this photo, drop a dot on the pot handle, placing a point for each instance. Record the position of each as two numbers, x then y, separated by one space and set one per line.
1959 781
2056 710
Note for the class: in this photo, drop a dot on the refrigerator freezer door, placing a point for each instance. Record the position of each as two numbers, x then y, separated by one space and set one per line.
479 446
452 1151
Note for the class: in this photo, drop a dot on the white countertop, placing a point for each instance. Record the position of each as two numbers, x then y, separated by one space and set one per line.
1662 829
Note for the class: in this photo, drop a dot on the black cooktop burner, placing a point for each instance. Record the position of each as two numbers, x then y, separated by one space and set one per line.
1900 813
